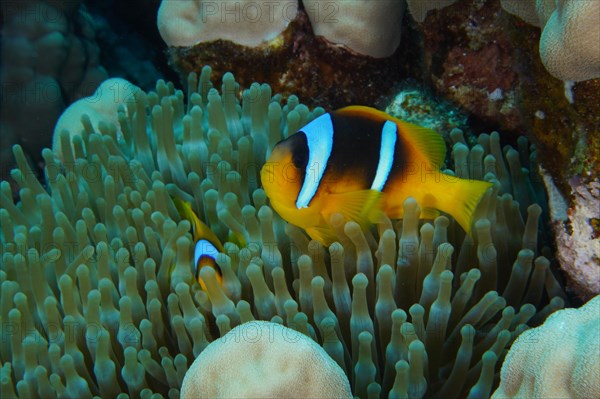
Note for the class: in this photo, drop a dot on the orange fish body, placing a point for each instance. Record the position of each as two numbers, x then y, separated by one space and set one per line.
359 161
206 244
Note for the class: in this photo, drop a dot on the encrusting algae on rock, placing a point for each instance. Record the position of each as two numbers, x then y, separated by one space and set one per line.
409 308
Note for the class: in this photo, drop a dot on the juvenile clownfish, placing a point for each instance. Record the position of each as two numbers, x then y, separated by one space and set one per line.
207 246
360 161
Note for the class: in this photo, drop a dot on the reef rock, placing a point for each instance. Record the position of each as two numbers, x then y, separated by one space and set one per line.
328 53
499 68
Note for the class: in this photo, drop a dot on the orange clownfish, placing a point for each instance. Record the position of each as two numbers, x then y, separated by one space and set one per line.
207 246
360 161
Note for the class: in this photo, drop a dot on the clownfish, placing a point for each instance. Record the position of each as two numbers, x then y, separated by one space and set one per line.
207 246
360 162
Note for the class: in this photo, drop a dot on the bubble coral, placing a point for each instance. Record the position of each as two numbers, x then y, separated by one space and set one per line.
293 46
569 43
89 306
100 108
419 8
373 31
184 24
50 58
263 359
558 359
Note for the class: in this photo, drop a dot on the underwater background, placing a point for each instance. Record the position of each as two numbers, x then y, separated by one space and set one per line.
113 112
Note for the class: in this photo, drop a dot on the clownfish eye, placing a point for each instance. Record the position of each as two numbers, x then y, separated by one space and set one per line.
300 158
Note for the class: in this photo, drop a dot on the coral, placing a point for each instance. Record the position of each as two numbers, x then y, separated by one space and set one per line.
100 109
566 132
526 10
260 359
470 59
558 359
313 44
358 25
569 45
187 23
367 30
98 296
419 8
483 59
49 59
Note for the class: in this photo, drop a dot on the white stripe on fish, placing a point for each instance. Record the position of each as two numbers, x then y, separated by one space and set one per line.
319 137
386 155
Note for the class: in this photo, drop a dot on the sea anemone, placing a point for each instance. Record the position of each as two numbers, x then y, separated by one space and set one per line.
98 296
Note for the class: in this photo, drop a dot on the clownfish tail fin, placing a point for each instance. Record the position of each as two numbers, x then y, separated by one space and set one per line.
459 198
467 196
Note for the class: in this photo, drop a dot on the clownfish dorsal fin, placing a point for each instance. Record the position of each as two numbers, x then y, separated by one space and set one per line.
427 141
237 239
199 229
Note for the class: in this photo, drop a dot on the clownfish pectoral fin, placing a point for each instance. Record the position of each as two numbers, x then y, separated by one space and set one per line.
324 234
429 213
362 206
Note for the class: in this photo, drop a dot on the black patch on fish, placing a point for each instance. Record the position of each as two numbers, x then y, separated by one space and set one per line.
356 150
298 147
356 143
